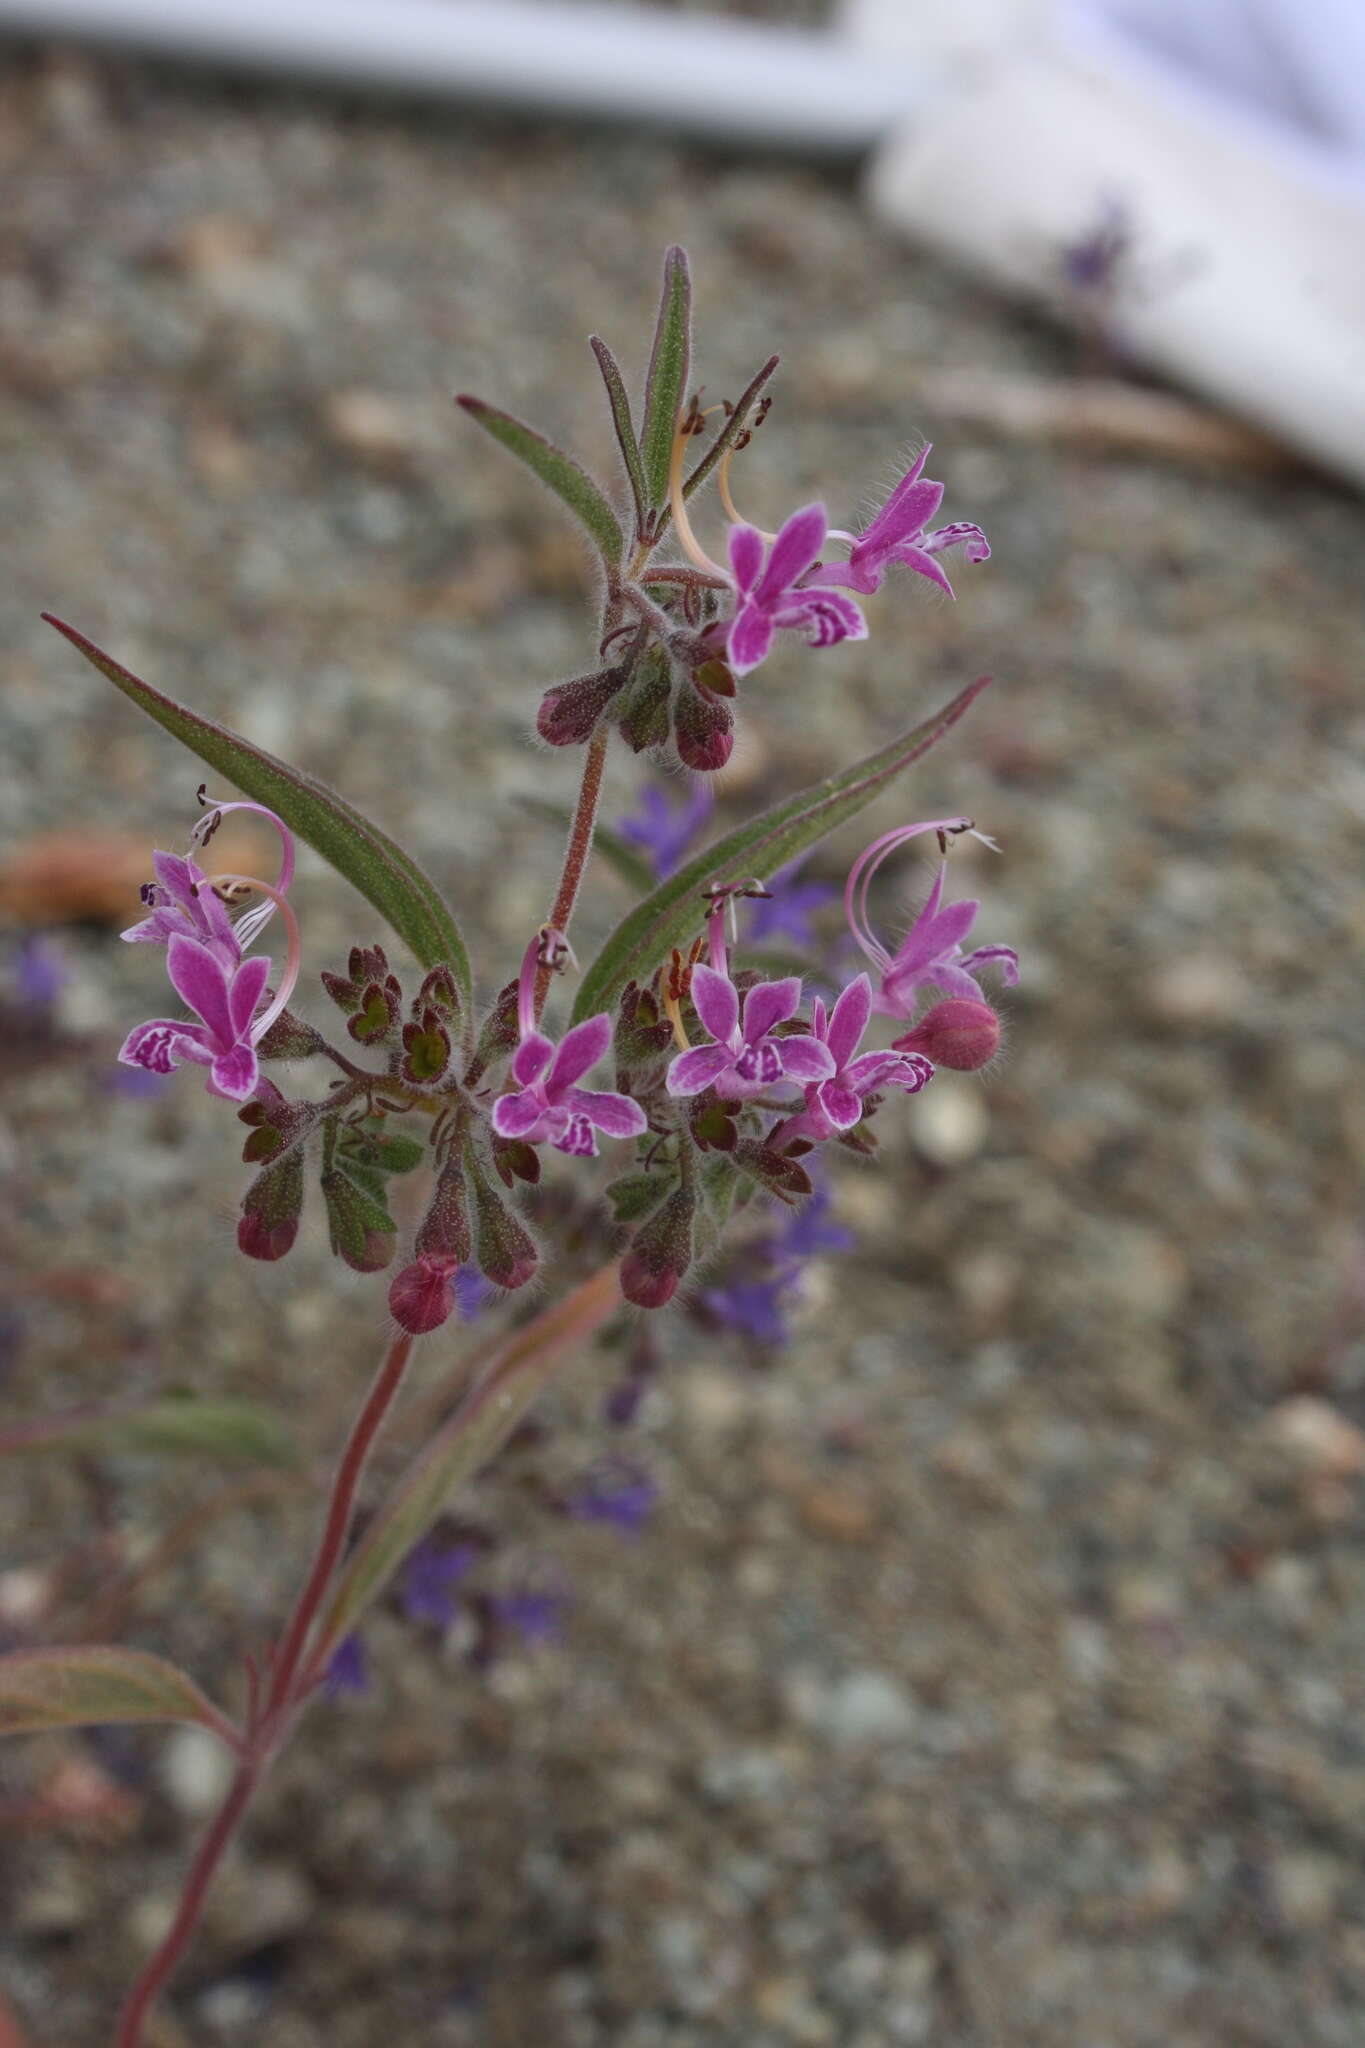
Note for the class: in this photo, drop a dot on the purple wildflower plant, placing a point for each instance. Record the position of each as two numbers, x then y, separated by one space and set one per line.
348 1670
930 955
747 1056
785 910
184 901
431 1573
900 533
547 1104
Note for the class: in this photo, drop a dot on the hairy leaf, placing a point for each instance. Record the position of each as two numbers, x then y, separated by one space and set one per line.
570 483
672 915
619 400
668 366
386 877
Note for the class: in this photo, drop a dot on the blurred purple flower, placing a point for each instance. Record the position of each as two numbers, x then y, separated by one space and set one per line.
753 1308
348 1671
617 1492
40 973
664 831
536 1614
786 911
433 1570
807 1232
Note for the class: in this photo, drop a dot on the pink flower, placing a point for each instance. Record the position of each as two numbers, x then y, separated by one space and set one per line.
930 955
836 1104
747 1056
224 999
897 534
773 596
548 1105
204 960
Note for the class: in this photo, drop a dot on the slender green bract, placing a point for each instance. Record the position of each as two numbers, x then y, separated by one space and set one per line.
571 484
619 401
668 366
490 1411
672 914
81 1687
386 877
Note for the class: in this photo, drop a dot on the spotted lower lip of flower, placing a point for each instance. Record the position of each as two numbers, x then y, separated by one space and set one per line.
747 1057
930 955
224 995
898 534
783 592
547 1106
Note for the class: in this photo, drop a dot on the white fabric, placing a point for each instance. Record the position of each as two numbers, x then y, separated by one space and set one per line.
1228 132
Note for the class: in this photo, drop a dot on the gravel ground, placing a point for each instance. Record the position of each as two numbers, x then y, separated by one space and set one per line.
990 1672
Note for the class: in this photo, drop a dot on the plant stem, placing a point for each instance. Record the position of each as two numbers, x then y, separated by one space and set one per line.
577 851
202 1873
367 1426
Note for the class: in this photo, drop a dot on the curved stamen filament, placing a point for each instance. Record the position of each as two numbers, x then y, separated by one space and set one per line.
731 510
861 874
682 524
248 927
293 958
673 1010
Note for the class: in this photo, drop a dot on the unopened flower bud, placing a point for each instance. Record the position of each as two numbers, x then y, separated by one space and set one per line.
504 1249
569 712
958 1033
288 1038
421 1296
660 1252
269 1222
703 727
445 1227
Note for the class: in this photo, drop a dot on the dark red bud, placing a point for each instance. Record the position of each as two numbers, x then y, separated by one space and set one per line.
271 1207
504 1249
660 1253
703 729
959 1034
421 1296
569 712
262 1240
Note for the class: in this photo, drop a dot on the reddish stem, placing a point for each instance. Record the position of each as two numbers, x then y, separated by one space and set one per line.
368 1424
202 1873
577 851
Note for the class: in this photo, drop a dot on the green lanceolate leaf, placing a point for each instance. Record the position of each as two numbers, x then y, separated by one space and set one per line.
367 858
570 483
619 401
521 1366
83 1687
672 915
668 366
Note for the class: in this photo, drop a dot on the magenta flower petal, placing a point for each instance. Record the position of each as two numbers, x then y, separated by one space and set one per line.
532 1057
695 1070
163 1043
750 639
842 1106
795 549
200 979
618 1115
746 556
849 1020
769 1004
579 1050
234 1073
247 988
717 1004
1003 957
804 1058
514 1116
923 564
